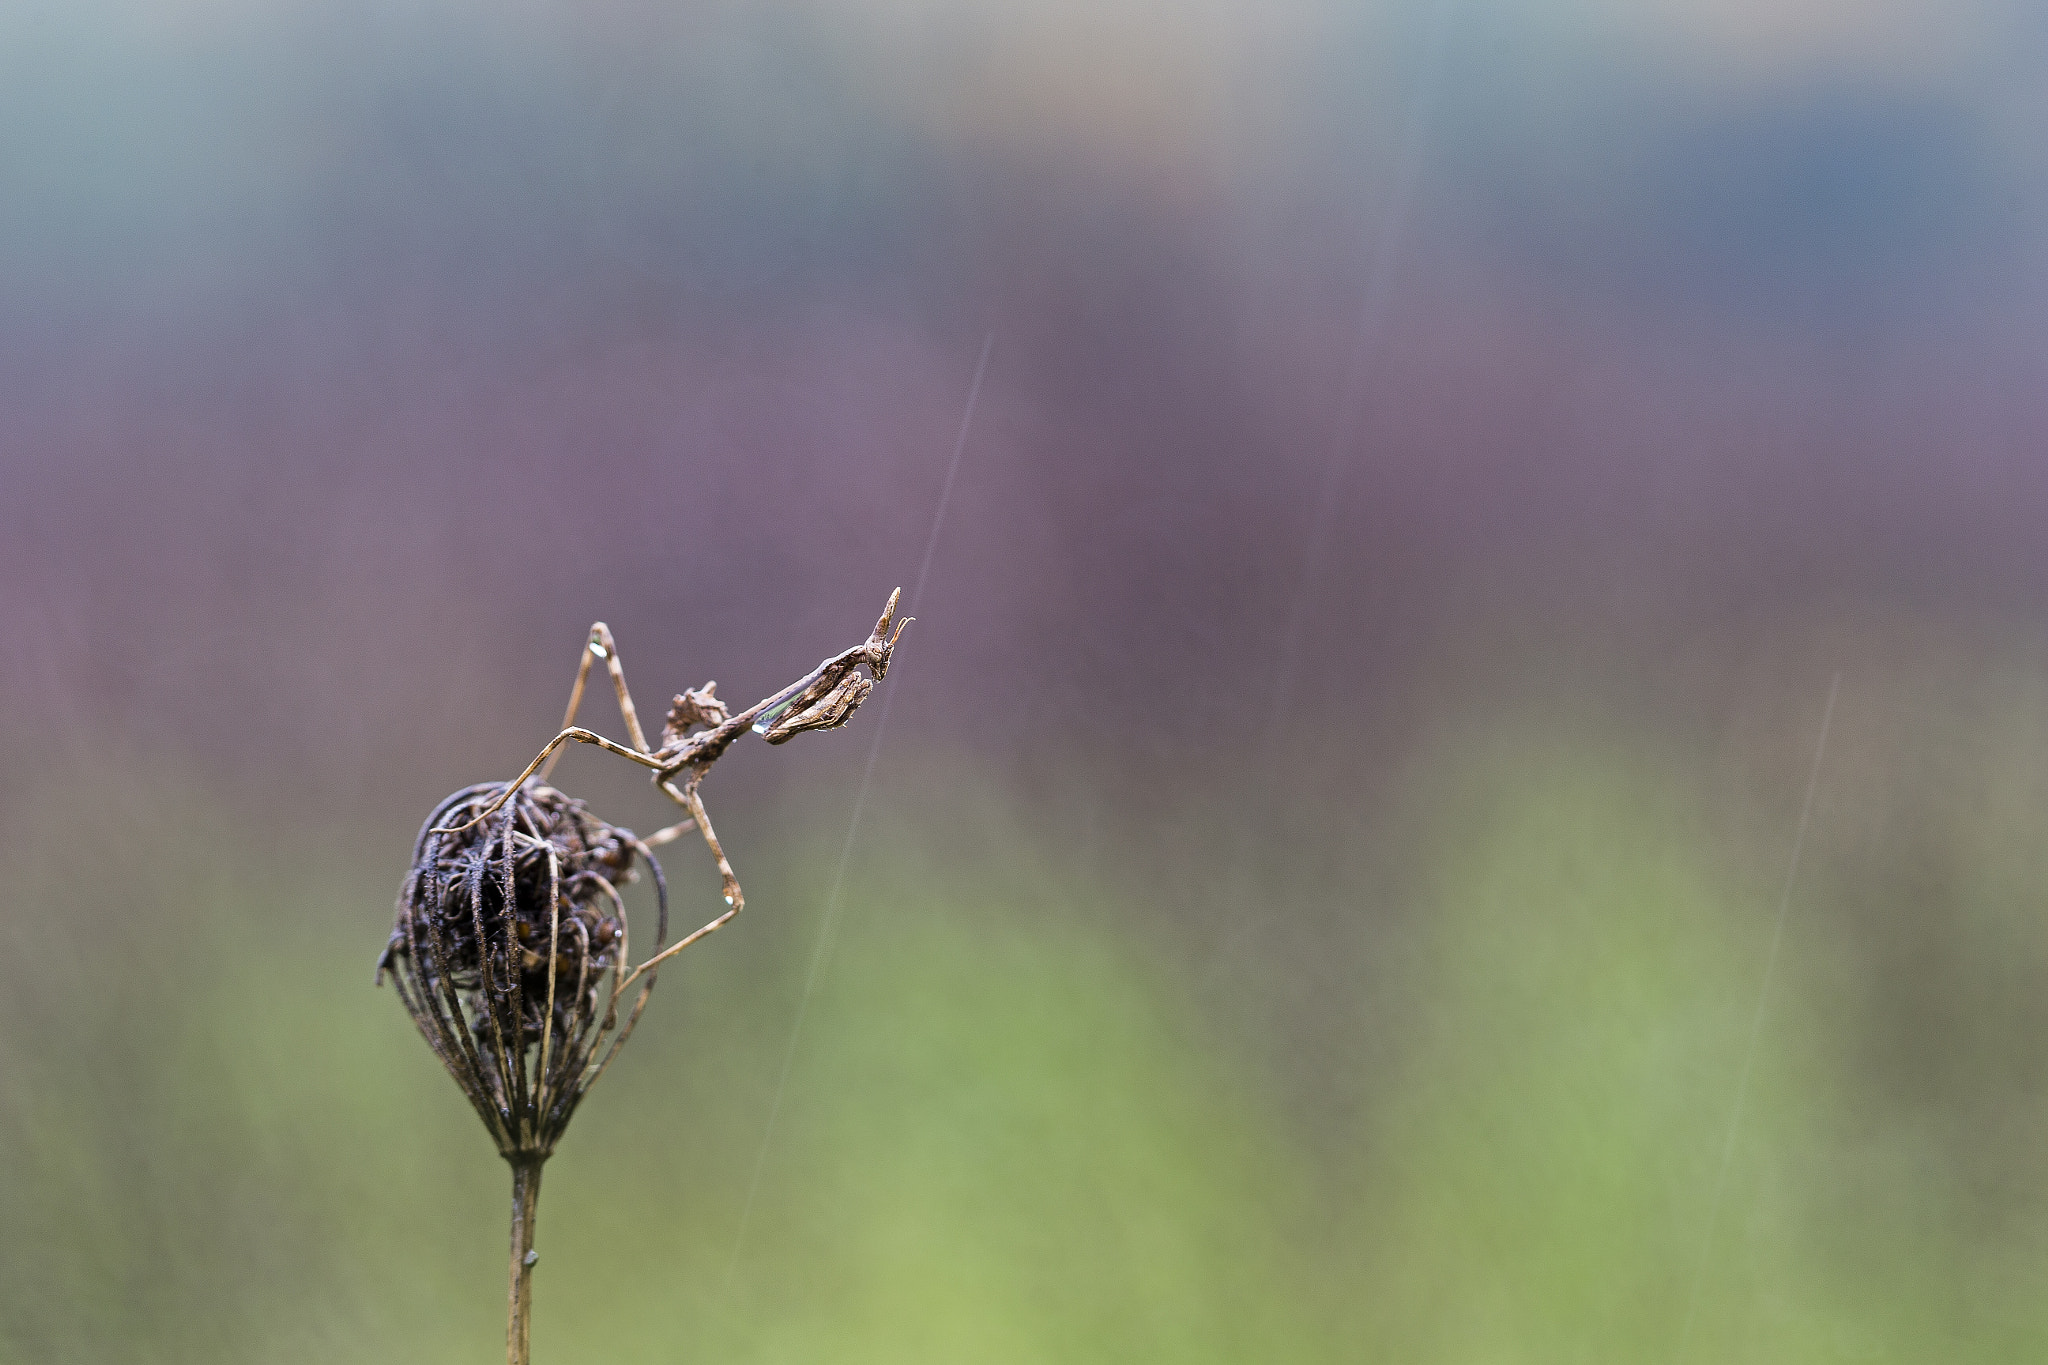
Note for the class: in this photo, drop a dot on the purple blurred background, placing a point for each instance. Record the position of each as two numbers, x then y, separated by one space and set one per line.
355 358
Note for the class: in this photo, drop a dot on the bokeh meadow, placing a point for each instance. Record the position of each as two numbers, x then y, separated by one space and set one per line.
1325 890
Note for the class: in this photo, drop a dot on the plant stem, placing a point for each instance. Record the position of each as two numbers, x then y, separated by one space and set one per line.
525 1199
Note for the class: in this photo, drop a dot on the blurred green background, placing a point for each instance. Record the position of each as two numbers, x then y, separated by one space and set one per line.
1318 894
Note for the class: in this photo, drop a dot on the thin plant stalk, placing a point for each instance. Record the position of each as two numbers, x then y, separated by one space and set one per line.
525 1205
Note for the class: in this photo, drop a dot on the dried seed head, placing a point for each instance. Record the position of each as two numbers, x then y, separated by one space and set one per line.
509 948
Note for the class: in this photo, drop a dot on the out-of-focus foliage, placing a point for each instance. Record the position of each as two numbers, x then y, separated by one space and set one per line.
1010 1130
1544 1172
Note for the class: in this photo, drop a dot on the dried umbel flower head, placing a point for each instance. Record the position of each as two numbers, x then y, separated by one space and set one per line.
510 947
510 951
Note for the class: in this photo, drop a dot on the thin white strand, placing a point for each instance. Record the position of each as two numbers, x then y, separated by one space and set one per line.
821 950
1756 1022
1383 254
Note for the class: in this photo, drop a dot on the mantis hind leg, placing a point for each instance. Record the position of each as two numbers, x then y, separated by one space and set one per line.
599 644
